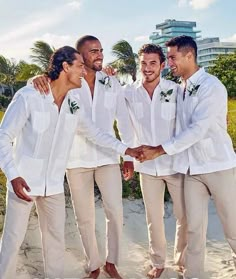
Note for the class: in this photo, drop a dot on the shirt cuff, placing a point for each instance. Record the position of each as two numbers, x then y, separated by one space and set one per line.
121 149
127 158
169 148
11 174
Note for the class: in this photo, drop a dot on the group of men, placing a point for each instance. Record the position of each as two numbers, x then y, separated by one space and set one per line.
181 137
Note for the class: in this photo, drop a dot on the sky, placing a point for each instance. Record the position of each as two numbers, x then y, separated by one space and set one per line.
62 22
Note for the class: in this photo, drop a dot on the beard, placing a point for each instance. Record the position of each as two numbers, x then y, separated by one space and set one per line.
97 67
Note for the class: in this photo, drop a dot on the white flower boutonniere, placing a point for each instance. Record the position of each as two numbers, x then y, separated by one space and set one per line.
106 81
165 96
193 89
73 106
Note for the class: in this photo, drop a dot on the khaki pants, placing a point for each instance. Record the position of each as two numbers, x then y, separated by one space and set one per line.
81 182
51 212
153 189
221 186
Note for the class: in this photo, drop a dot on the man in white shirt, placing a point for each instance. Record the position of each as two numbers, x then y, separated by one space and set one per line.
36 134
103 102
152 106
203 149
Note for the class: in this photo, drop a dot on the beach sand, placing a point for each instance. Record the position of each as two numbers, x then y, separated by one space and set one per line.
134 256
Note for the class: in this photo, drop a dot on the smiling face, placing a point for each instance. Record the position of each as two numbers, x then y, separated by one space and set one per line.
92 53
150 67
76 71
178 61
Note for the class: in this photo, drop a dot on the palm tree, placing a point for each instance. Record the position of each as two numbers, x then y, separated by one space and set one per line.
126 62
14 74
42 52
8 71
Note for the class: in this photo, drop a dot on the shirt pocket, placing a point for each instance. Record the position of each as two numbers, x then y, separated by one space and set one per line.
40 121
109 100
138 110
30 168
71 122
168 110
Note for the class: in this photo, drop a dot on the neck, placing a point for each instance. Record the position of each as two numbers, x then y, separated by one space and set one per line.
151 86
90 76
59 91
190 72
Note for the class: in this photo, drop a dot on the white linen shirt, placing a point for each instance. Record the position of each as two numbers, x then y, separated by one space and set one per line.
202 141
108 104
43 138
153 122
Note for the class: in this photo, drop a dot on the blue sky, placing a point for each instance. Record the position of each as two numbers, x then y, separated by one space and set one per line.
62 22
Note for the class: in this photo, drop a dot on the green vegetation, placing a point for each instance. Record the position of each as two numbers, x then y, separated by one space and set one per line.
2 190
225 68
232 120
126 59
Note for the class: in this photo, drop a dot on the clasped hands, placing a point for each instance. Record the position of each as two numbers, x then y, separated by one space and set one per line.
145 152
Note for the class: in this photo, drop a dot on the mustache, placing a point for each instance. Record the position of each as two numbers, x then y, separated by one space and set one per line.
98 60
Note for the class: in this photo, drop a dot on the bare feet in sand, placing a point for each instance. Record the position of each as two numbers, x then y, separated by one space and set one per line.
94 274
155 272
110 269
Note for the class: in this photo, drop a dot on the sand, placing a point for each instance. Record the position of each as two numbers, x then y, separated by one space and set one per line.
134 257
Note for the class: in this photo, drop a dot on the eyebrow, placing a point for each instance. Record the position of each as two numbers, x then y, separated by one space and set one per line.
96 49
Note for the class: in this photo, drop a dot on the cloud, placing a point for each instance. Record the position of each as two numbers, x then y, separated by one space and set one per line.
141 39
230 39
40 22
56 40
200 4
182 3
196 4
75 4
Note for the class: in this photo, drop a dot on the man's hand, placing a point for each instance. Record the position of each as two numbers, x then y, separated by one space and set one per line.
109 70
19 185
150 152
134 152
40 83
128 170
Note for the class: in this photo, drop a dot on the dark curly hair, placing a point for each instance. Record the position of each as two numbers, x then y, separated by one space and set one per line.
63 54
185 43
152 48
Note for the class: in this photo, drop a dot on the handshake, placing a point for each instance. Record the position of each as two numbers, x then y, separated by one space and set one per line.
145 152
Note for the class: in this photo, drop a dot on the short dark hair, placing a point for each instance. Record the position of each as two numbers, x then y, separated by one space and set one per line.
84 39
152 48
183 42
63 54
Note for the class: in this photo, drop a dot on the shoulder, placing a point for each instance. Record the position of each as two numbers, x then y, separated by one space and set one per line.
169 83
27 92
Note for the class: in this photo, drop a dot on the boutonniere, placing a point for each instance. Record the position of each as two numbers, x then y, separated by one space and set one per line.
165 96
106 81
73 106
192 89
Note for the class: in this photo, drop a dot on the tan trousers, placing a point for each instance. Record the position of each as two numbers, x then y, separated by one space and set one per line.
81 182
51 212
221 186
153 189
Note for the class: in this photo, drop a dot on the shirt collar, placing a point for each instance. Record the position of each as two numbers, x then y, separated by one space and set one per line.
195 77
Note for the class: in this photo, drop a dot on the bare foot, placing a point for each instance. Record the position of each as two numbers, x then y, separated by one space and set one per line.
110 269
155 272
94 274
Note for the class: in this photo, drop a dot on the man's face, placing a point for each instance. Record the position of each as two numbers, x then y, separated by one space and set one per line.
178 61
76 71
150 66
92 53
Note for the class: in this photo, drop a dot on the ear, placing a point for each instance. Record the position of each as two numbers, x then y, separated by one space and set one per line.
163 65
189 55
65 66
